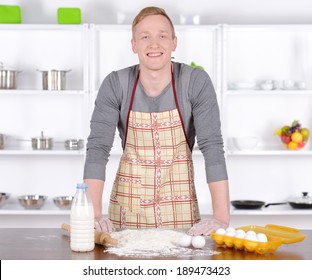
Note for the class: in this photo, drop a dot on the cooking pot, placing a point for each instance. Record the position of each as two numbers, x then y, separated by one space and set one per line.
303 202
42 143
2 136
73 144
54 79
8 78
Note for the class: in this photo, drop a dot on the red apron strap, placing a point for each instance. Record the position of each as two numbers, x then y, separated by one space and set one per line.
131 103
178 108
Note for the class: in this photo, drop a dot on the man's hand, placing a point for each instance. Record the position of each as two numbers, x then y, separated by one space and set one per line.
205 227
103 224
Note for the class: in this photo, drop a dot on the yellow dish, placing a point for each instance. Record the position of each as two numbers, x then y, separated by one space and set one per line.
276 234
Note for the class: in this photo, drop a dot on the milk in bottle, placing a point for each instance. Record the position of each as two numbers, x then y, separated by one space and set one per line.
82 221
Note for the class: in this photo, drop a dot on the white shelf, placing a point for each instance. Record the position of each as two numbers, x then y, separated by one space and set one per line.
263 152
271 210
16 209
40 92
267 92
44 27
31 152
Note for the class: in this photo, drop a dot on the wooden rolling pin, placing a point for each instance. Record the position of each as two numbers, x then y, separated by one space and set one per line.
100 237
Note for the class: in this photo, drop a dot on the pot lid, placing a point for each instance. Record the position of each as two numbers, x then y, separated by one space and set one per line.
42 137
304 199
7 68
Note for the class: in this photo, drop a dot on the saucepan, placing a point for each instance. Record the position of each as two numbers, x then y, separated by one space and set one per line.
303 202
42 143
8 78
54 79
2 137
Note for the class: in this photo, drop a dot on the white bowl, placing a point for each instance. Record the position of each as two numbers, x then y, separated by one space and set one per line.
246 143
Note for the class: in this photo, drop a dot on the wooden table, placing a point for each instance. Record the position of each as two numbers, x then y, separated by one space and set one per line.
53 244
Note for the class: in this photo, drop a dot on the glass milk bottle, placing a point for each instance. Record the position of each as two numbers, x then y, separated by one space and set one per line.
82 221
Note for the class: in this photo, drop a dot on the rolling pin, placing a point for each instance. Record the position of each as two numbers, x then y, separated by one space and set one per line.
100 237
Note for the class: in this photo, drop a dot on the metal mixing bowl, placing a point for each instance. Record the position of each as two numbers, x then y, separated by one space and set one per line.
3 198
63 202
32 201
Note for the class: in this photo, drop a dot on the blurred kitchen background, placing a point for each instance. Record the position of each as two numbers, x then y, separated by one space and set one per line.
258 54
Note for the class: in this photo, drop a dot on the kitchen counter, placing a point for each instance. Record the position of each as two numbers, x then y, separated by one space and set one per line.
53 244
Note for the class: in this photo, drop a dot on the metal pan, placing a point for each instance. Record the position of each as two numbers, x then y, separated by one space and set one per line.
252 204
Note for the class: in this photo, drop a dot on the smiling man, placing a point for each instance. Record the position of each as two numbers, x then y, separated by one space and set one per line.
159 106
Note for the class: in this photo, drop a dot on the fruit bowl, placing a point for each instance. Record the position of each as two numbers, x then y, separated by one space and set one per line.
293 137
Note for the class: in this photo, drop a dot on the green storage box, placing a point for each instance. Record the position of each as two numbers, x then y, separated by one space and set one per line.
68 16
10 14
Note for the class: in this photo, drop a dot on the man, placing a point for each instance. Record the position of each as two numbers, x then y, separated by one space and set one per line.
159 107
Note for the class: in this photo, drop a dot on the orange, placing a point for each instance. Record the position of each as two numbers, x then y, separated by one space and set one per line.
292 145
296 137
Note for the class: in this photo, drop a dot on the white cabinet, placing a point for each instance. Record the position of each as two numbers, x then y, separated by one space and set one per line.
237 58
253 55
28 110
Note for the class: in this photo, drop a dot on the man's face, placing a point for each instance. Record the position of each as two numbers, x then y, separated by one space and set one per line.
152 41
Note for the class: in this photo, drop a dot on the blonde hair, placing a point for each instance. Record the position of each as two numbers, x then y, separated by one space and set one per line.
151 11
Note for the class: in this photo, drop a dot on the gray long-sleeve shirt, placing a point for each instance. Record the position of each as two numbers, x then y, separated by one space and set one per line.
198 106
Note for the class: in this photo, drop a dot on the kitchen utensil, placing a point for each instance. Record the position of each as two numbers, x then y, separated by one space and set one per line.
54 79
73 144
8 78
252 204
2 136
303 202
276 234
68 16
63 202
3 198
32 201
42 143
246 143
100 237
10 14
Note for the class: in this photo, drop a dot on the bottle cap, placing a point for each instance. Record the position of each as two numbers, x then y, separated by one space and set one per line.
82 186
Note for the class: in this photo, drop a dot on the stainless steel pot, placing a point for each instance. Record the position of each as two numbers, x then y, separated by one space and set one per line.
73 144
2 136
42 143
8 78
54 79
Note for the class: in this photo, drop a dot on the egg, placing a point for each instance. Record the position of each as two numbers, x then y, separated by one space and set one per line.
230 233
240 234
198 241
230 229
251 237
240 231
262 237
251 232
220 231
185 240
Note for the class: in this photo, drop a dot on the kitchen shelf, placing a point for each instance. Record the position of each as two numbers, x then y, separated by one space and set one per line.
31 152
272 210
267 92
269 153
14 208
14 92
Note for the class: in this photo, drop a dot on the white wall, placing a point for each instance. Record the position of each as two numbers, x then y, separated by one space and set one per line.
211 11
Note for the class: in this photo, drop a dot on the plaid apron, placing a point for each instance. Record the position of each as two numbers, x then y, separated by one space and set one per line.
154 185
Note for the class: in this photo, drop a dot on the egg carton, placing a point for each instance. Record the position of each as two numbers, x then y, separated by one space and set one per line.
276 235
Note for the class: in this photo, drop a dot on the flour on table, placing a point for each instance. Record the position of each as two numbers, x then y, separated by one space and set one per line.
152 243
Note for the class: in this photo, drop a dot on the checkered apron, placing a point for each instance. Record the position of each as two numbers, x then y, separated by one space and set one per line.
154 185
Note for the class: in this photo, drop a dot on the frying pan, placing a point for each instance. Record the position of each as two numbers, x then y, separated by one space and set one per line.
252 204
305 202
